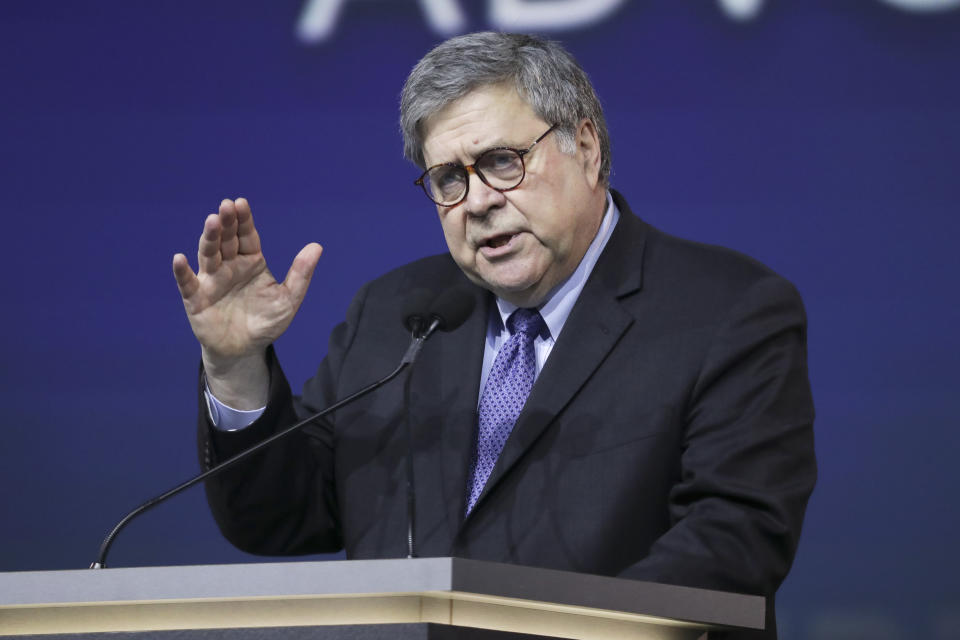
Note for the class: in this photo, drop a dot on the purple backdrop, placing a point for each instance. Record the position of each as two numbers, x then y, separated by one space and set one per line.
821 137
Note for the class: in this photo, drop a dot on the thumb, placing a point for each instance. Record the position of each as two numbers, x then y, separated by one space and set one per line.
301 271
187 280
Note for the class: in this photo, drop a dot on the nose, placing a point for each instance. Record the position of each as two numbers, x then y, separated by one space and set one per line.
481 197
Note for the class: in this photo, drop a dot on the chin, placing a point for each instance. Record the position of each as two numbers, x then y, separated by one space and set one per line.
516 283
522 295
510 286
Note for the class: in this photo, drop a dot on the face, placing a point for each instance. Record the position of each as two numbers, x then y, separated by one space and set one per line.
519 244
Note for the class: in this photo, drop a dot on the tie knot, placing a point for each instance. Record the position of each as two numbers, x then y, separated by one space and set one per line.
529 322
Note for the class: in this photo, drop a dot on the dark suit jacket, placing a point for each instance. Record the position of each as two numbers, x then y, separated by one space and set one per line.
667 438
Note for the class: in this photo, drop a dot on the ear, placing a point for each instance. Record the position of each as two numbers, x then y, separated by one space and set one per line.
588 151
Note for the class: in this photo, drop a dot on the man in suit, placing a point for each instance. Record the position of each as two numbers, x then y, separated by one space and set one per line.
620 401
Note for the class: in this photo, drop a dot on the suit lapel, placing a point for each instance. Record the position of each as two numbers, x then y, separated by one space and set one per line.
596 323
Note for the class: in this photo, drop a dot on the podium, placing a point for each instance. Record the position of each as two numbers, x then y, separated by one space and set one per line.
428 598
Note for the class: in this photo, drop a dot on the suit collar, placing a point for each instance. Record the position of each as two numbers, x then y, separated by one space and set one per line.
621 265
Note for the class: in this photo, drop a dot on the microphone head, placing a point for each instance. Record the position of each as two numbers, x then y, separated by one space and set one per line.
452 308
416 309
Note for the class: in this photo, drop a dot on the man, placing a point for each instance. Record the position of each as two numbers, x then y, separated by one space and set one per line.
667 435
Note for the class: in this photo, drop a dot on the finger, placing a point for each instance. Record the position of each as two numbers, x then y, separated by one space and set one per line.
187 280
208 253
301 271
228 229
246 232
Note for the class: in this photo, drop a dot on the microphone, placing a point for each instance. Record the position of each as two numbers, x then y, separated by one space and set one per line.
451 308
416 310
447 312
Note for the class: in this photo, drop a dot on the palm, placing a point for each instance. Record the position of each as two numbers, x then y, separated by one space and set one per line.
239 307
234 304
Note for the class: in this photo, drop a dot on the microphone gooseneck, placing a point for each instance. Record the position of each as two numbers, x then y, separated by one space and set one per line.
447 312
446 317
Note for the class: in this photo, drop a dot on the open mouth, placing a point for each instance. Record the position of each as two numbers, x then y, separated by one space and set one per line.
499 241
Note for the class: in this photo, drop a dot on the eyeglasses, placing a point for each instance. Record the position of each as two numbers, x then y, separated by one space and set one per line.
500 168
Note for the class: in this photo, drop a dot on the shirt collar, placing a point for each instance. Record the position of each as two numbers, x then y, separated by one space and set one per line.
560 301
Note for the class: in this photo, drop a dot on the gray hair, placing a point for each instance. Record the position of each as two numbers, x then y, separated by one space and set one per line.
545 74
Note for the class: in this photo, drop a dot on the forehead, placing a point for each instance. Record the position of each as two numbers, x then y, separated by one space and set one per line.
488 116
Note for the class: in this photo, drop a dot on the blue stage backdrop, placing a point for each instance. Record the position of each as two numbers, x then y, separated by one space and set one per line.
822 137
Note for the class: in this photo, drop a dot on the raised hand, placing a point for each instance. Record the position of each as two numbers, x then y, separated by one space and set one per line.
235 306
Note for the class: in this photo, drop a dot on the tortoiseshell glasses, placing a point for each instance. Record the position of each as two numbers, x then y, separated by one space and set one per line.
500 168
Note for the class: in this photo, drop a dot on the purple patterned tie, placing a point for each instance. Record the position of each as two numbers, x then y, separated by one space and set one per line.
508 385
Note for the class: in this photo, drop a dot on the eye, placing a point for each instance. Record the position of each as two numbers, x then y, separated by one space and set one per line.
446 180
501 163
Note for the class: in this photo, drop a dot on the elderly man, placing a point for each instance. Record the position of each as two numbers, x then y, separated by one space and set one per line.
620 402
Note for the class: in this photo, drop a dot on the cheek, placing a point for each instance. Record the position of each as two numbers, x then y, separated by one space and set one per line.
454 234
555 234
564 227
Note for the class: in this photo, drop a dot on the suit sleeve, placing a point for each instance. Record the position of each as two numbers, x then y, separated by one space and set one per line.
747 462
282 500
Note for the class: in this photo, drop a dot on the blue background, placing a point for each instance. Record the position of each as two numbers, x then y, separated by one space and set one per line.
822 137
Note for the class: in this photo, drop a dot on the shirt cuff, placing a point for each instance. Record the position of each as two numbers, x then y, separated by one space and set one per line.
225 418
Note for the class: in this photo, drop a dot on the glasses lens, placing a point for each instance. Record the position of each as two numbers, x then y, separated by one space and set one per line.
503 168
446 184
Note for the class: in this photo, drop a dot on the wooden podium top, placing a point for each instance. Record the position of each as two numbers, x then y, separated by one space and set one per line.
439 590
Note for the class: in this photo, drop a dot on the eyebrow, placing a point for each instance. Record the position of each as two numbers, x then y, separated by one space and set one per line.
499 143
